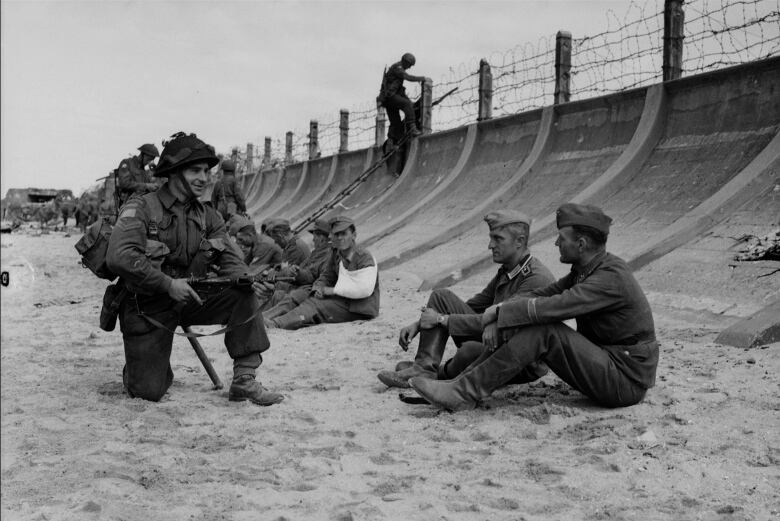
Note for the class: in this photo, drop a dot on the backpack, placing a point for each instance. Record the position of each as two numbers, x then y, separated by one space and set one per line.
383 89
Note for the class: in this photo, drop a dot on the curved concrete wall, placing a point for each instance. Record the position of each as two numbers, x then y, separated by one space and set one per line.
319 174
270 182
291 180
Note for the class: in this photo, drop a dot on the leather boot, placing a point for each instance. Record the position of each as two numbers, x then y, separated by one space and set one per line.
245 387
411 128
403 364
426 362
472 386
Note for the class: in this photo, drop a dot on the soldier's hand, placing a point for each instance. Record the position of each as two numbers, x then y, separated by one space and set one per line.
263 290
490 315
317 291
181 291
428 318
407 334
490 336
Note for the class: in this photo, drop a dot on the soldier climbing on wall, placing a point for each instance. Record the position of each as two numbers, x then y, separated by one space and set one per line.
392 96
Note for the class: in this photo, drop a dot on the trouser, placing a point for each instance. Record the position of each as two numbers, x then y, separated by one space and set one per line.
589 368
446 302
147 372
394 105
314 311
282 302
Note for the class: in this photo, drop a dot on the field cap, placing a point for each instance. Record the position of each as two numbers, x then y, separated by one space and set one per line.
278 224
239 222
321 226
340 223
504 217
572 214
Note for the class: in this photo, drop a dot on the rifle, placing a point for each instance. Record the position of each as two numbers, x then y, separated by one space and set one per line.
207 287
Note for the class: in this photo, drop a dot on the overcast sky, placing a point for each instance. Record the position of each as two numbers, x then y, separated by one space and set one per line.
84 83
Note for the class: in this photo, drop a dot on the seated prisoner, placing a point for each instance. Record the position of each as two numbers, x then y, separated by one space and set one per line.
348 288
611 357
447 316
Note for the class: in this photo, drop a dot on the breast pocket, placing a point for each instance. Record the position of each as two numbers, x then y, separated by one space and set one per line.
157 252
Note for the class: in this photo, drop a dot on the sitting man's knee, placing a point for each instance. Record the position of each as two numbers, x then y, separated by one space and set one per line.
439 296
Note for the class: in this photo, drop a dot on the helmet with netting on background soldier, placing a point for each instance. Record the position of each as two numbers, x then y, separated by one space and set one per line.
183 150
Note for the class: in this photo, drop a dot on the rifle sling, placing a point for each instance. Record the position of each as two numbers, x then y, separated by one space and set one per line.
225 329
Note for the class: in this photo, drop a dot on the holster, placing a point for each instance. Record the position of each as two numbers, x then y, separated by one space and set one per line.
112 300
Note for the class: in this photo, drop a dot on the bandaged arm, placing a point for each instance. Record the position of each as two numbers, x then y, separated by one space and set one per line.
356 284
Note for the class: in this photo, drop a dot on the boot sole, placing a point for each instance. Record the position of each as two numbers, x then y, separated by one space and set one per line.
245 399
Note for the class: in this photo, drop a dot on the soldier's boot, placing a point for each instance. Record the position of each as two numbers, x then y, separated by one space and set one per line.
245 387
274 312
426 361
403 364
411 128
473 353
471 386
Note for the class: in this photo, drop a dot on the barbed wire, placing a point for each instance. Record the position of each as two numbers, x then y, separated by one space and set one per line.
626 55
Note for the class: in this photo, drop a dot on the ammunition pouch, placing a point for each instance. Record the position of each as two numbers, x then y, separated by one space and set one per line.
112 301
208 254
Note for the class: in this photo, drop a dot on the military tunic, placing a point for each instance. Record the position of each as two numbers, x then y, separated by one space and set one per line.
227 198
613 355
133 179
335 308
295 252
287 296
156 239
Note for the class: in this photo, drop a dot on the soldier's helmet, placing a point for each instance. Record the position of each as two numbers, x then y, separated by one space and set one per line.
149 149
408 59
182 150
228 166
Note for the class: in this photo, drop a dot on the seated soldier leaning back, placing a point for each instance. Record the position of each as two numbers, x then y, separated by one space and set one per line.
612 356
281 297
446 315
162 238
348 288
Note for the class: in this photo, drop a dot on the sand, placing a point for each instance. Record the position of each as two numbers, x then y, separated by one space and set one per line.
704 444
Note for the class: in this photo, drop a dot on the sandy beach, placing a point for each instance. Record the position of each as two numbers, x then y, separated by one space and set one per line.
704 444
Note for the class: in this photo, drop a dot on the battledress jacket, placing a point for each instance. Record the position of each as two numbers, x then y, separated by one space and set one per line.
226 191
182 229
609 307
528 275
314 265
361 259
132 178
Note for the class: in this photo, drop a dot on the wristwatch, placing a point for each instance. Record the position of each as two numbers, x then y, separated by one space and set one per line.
442 320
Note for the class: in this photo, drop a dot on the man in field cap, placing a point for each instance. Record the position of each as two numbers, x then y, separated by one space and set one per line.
445 315
259 251
286 296
611 357
294 250
347 289
132 176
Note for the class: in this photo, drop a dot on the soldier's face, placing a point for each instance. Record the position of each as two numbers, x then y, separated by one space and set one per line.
319 239
344 239
196 175
504 246
245 242
569 247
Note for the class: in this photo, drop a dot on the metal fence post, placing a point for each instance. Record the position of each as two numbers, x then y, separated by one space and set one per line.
379 129
562 67
267 152
344 130
485 91
250 150
674 33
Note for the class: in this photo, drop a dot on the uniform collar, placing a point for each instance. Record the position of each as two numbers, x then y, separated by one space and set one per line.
583 272
521 268
168 199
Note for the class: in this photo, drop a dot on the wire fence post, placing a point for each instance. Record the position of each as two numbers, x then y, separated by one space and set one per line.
485 91
344 130
234 155
427 106
674 33
562 67
288 155
250 149
379 129
267 152
314 144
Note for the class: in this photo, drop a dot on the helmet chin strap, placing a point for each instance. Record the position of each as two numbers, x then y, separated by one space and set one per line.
186 186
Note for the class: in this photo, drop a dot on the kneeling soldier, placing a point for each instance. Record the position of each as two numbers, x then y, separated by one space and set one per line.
162 238
347 289
447 315
611 357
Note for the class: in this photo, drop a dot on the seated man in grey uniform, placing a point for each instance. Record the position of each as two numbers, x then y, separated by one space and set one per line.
347 289
447 316
611 357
